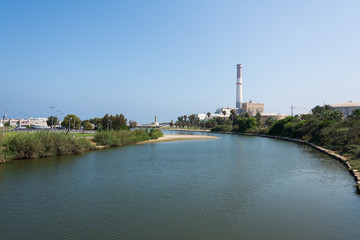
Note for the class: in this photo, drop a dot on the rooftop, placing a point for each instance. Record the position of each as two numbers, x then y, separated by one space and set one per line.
347 104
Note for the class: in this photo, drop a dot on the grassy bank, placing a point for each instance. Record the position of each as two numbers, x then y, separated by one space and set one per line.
325 127
27 145
122 137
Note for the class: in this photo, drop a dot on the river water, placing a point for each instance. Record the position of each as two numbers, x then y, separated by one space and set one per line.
234 187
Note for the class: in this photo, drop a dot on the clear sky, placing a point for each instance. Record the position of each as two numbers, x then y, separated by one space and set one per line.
171 58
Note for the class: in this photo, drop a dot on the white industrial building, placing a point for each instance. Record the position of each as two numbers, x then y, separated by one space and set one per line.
346 108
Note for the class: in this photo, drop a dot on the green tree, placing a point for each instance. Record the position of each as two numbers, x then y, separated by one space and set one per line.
224 113
246 123
208 114
87 125
269 121
192 119
258 119
355 115
171 123
119 122
52 121
132 124
233 116
74 120
105 122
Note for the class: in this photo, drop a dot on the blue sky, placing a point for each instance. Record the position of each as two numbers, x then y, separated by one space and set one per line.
170 58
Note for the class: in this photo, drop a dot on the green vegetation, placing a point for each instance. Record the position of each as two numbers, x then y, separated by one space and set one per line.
52 121
324 127
112 131
40 144
27 145
121 137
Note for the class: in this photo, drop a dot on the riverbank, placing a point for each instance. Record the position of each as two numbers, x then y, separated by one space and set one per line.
31 145
178 137
48 144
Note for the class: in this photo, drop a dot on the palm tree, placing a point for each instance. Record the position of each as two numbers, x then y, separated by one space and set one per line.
355 114
208 114
233 116
224 113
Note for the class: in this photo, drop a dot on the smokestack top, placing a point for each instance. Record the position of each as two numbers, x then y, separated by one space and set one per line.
238 66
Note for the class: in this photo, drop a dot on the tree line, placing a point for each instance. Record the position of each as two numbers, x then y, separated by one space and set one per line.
108 122
324 126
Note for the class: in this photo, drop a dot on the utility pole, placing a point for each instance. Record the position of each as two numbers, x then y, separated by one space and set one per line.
4 124
69 123
52 119
292 109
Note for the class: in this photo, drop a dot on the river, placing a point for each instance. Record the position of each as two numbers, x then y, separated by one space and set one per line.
234 187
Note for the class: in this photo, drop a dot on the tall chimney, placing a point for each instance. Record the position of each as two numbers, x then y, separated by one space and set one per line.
239 98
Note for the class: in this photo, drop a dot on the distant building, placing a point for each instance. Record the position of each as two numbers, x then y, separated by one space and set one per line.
252 108
39 122
346 108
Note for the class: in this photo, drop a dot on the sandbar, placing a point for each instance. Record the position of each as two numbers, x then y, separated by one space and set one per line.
178 137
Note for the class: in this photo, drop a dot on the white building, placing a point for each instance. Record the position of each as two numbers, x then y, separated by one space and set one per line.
346 108
218 113
38 122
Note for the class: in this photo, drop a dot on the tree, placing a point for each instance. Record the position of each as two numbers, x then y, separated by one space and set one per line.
52 120
87 125
318 110
208 114
185 117
233 116
258 119
74 120
355 114
96 122
192 119
269 121
224 113
118 122
171 123
132 124
246 123
105 122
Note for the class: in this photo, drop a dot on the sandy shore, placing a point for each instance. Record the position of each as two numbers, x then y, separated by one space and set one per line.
178 137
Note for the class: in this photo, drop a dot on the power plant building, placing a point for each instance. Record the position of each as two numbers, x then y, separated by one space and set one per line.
346 108
252 108
240 107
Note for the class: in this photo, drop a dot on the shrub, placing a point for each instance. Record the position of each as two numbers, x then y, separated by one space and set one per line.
222 128
41 144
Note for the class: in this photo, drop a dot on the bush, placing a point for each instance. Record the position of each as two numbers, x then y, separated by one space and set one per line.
155 133
222 128
41 144
121 137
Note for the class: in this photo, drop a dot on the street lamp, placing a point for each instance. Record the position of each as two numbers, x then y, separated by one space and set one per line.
69 123
4 124
52 119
